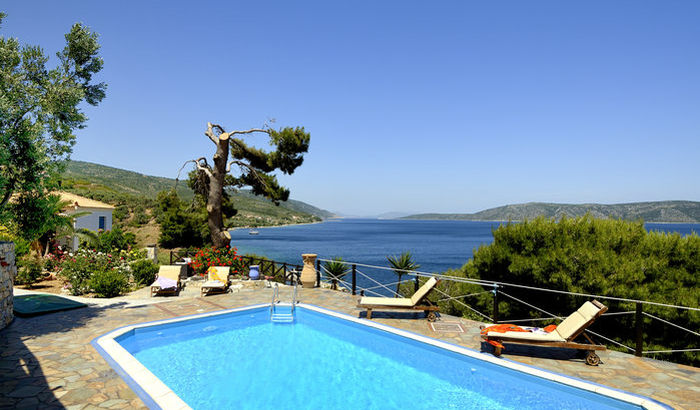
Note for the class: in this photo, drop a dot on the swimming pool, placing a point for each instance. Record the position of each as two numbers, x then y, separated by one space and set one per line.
238 358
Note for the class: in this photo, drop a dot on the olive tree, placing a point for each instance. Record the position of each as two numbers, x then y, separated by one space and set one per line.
40 108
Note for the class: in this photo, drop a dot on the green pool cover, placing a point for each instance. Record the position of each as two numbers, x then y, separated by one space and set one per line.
33 305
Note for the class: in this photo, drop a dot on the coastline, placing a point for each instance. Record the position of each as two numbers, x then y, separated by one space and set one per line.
279 226
521 220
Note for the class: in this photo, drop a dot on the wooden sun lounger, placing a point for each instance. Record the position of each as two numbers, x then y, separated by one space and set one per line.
217 280
171 272
563 336
419 301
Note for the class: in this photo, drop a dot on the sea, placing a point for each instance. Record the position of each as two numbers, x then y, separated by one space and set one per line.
435 245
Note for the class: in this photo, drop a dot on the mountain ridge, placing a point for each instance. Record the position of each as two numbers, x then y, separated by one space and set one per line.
81 176
674 211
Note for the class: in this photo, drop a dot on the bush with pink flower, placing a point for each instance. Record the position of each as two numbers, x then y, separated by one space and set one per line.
79 268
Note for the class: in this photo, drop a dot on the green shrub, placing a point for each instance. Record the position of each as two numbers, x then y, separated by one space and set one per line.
109 283
180 226
140 217
144 271
9 234
121 212
29 271
114 240
591 256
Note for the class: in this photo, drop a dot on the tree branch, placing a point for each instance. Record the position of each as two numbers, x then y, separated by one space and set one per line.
250 168
204 168
210 133
250 131
6 196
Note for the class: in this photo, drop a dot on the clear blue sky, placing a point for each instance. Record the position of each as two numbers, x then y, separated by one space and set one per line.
417 107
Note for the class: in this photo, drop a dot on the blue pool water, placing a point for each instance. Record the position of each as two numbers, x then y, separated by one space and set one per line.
241 360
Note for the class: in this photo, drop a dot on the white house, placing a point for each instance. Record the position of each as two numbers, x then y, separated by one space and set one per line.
99 217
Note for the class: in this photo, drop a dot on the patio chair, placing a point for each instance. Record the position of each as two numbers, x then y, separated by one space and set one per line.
217 280
562 336
419 301
167 280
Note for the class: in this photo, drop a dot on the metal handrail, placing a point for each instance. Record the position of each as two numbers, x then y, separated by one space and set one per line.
275 296
294 297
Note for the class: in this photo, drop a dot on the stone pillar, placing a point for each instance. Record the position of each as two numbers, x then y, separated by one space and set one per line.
8 270
308 274
152 252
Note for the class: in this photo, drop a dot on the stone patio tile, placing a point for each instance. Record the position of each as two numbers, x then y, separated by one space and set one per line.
78 395
28 403
112 402
54 354
25 391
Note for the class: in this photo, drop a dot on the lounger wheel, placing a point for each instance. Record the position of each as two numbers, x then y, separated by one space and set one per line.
431 316
497 351
592 359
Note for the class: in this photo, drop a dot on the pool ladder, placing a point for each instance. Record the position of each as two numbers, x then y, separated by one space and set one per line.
282 317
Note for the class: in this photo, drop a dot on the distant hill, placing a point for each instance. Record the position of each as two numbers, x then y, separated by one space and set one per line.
392 215
101 177
290 204
662 211
86 177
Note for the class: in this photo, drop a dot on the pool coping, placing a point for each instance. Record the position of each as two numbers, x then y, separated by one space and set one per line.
156 395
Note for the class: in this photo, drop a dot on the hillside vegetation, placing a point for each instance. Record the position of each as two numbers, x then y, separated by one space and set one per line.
134 196
662 211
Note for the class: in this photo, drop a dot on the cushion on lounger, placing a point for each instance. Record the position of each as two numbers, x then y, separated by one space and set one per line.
398 302
219 273
170 271
538 337
165 283
213 284
577 320
420 294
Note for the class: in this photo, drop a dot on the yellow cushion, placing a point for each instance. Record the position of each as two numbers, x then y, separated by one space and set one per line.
219 273
423 290
170 271
538 337
398 302
577 320
217 284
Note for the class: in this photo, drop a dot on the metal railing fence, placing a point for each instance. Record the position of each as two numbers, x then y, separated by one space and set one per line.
281 272
642 318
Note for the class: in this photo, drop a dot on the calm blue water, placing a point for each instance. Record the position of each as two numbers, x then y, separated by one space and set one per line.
241 360
436 245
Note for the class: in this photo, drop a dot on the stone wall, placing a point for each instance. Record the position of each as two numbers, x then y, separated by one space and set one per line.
8 270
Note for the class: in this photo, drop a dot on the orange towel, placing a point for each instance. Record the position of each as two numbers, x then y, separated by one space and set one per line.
501 328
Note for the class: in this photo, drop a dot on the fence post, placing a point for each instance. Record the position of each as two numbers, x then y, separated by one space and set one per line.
171 257
318 273
416 285
638 321
354 279
495 303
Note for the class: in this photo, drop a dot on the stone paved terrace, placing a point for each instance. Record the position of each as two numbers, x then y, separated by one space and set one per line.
48 361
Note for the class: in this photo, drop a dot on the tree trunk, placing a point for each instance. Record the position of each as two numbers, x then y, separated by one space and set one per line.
219 236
